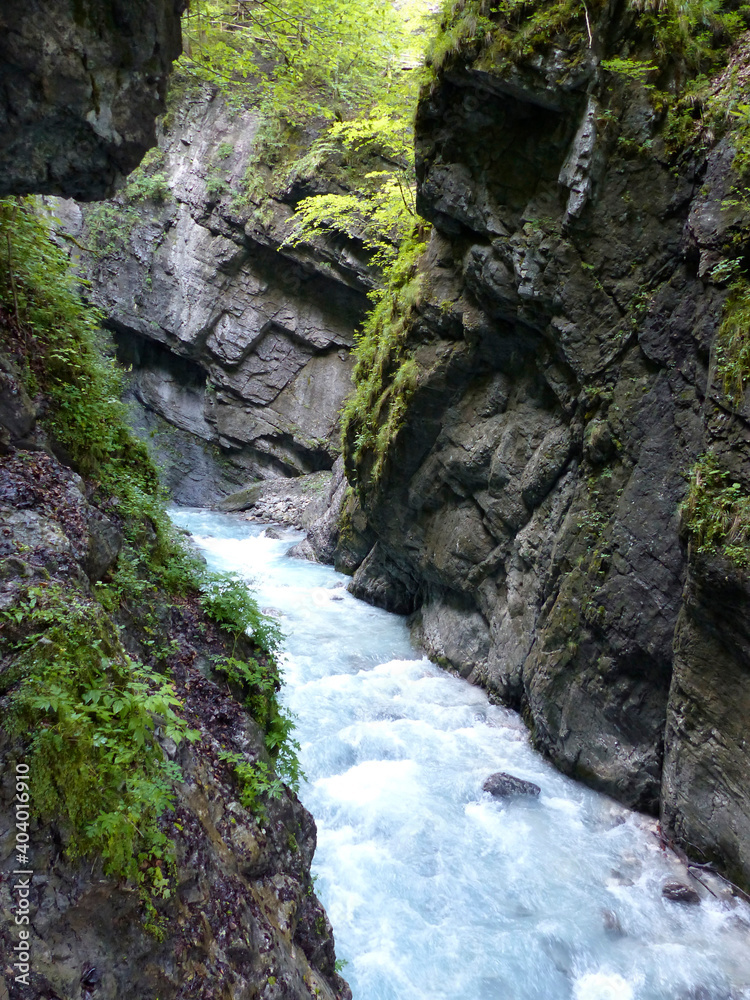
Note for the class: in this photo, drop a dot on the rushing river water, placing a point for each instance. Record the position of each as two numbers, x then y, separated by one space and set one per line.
435 890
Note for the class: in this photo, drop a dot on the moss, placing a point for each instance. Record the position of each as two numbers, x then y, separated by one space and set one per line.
385 372
716 512
732 346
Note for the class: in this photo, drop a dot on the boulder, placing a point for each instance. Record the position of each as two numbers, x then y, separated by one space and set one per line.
678 892
502 785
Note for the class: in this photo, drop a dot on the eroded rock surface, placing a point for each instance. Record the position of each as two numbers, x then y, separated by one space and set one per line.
242 918
240 353
529 506
502 785
80 86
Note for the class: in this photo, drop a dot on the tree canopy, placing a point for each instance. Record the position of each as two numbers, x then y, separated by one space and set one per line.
334 78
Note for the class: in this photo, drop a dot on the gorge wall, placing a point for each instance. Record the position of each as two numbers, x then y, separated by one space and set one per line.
568 344
239 347
566 340
80 86
233 911
570 363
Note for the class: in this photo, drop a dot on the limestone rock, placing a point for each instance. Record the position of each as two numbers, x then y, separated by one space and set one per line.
239 347
80 87
298 501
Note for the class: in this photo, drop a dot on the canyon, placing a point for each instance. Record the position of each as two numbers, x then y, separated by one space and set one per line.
533 508
528 513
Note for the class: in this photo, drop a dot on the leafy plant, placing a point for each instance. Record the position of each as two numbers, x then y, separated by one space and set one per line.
94 716
256 779
148 182
226 600
733 342
259 684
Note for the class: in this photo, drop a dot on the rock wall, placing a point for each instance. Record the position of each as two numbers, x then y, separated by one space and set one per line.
239 345
80 86
241 918
529 508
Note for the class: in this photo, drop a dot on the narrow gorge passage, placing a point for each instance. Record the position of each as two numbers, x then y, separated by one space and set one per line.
434 889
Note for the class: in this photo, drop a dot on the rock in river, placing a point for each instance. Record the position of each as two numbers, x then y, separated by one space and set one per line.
502 785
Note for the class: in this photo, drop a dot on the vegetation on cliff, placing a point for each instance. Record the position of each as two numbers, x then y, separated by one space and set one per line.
84 674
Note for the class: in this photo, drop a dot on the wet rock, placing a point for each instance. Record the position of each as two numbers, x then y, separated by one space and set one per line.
17 411
503 785
611 923
239 348
564 392
678 892
105 542
384 584
340 536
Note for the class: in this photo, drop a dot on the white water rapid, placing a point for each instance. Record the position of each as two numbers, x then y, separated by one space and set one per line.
435 890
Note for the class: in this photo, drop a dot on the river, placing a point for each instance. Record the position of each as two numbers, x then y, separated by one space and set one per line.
435 890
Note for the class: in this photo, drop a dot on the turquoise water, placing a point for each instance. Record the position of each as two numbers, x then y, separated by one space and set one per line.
434 889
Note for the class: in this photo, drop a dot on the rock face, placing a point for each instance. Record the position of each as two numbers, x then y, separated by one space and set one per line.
242 919
239 352
529 504
80 86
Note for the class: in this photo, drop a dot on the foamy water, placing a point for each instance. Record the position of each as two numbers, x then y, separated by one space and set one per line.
434 889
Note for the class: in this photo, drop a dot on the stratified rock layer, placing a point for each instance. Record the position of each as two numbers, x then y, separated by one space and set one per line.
80 86
240 353
529 506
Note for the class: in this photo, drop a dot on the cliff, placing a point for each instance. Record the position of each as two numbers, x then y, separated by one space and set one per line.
80 86
568 366
239 347
148 847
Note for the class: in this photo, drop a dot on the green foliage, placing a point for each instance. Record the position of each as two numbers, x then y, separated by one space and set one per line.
638 70
259 683
381 210
342 70
385 373
93 715
691 33
462 23
110 225
256 779
89 715
308 59
716 512
733 342
148 182
227 601
224 150
60 345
